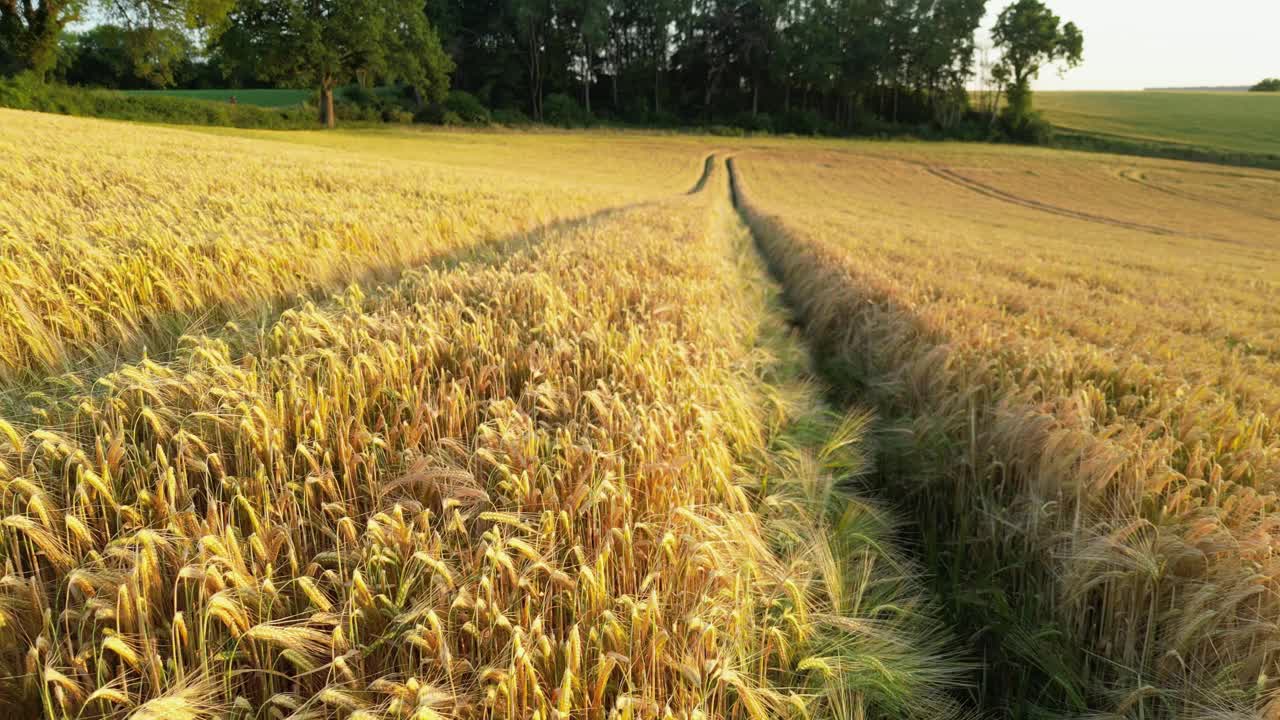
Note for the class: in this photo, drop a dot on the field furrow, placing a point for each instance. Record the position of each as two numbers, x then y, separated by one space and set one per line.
1107 524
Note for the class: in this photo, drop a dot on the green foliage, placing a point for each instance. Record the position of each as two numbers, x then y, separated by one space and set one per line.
1268 85
124 57
401 117
726 131
802 122
359 95
1029 37
328 42
754 122
29 34
170 14
562 110
153 33
511 117
467 107
672 64
1026 127
26 92
267 98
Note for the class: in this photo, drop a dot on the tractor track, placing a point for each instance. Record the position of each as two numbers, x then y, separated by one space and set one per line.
1136 176
949 175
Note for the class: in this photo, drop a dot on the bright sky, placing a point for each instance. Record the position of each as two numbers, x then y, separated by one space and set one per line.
1135 44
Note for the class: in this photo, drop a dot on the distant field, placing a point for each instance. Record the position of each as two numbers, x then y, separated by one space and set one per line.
263 98
1223 121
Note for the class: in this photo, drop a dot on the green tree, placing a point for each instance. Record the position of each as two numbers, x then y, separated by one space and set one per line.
1268 85
1031 36
29 32
171 14
325 43
533 25
157 30
590 19
112 56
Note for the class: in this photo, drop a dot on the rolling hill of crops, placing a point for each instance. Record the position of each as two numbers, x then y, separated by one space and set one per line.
1229 122
404 425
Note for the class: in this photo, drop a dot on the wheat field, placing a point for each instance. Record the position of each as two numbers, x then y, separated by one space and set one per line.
404 425
1083 352
484 459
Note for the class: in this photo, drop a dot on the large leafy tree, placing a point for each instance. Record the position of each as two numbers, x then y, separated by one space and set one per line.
110 55
328 42
1031 36
29 31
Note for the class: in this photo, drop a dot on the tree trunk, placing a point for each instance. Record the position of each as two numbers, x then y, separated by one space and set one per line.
706 94
786 101
326 105
535 73
657 87
586 79
755 98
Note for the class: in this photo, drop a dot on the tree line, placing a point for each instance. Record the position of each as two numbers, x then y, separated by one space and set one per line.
806 65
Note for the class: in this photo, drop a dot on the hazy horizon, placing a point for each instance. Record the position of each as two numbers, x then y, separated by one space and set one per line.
1137 44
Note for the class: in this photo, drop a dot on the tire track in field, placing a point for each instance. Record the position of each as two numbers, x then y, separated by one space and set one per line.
1134 175
955 178
949 175
708 166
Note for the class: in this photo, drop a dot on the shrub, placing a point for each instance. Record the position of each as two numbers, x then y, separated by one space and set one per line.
452 119
1030 127
664 119
395 115
510 117
758 122
27 93
355 112
635 110
467 107
560 109
801 122
726 130
357 95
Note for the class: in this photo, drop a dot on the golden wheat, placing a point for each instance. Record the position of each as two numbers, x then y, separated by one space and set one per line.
115 235
539 482
1087 365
